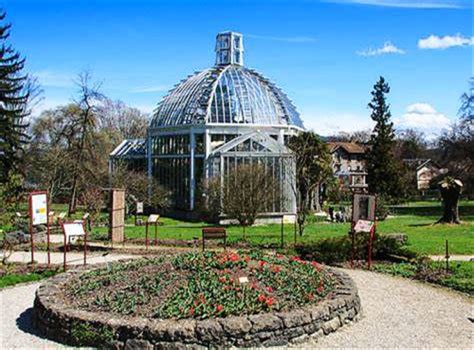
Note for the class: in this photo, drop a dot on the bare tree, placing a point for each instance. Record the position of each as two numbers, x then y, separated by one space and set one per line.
247 190
88 97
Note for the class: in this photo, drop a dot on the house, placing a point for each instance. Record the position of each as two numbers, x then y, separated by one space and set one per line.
426 170
348 164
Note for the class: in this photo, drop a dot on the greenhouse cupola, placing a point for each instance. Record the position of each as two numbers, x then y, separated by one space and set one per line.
216 119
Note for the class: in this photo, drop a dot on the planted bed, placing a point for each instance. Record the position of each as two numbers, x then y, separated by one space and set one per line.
196 299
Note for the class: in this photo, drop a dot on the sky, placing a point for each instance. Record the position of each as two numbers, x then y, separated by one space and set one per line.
325 54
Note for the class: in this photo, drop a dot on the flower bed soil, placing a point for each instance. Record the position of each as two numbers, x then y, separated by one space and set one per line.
209 299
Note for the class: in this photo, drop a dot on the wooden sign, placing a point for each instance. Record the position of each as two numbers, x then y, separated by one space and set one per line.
363 207
117 215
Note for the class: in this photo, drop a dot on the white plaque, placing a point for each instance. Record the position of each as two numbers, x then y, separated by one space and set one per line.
74 229
139 207
153 218
363 226
39 212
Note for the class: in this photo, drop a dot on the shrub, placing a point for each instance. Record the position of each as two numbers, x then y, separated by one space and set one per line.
338 250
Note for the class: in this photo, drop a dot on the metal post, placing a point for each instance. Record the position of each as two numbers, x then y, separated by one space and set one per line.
31 231
156 233
192 143
282 233
447 256
64 247
146 235
85 243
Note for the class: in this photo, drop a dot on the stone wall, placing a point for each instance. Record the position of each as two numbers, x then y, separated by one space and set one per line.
58 321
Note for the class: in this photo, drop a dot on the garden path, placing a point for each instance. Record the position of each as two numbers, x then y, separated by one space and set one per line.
73 258
402 313
396 313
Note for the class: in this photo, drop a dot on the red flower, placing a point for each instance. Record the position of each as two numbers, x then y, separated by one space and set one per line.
320 289
276 268
262 298
247 258
253 285
262 263
270 289
191 311
222 279
234 257
219 308
269 302
316 265
310 296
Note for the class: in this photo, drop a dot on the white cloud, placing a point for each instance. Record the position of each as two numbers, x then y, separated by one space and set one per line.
332 123
147 89
387 48
435 42
423 117
414 4
291 39
54 79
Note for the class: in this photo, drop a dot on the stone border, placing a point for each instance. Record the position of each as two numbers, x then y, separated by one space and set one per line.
62 323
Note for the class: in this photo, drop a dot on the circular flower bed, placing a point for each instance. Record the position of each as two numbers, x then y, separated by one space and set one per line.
201 285
195 299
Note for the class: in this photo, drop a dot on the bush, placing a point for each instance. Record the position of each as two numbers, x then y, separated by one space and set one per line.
339 250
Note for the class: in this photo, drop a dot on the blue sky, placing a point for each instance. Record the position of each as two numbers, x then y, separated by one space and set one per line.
326 55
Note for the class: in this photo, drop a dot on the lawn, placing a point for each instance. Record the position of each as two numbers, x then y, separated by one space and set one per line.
423 236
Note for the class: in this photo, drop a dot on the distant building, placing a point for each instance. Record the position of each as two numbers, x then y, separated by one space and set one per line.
425 170
348 164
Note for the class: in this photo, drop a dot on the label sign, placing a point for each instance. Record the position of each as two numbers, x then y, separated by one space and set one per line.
74 229
153 218
363 226
139 207
39 208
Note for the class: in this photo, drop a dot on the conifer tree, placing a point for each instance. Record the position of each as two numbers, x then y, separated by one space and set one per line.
382 167
14 98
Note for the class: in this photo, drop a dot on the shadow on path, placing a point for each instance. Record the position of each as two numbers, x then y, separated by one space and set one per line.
25 324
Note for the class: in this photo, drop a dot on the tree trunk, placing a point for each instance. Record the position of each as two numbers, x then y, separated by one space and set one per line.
450 197
72 201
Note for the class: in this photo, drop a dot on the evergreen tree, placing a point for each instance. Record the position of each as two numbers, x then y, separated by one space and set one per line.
14 97
382 167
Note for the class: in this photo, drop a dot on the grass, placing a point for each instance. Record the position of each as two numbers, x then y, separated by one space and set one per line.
423 236
460 276
15 278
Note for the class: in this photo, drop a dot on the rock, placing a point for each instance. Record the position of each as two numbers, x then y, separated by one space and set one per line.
210 331
235 325
265 323
138 344
295 318
331 325
184 331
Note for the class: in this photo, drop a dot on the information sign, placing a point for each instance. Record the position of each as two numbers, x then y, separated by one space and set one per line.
39 208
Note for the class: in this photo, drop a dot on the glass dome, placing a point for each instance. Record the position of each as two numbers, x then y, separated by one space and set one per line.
229 94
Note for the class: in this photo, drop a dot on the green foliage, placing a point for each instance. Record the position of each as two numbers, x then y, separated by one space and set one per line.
11 279
339 250
14 98
201 285
458 277
382 167
313 167
10 195
84 333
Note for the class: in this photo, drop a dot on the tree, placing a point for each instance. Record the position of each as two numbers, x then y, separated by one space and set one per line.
127 122
450 189
313 167
14 97
383 169
89 97
247 190
456 146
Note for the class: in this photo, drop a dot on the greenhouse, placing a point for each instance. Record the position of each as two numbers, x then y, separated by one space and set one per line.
216 119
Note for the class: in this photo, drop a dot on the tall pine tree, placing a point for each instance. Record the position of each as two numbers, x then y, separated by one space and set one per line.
14 98
382 167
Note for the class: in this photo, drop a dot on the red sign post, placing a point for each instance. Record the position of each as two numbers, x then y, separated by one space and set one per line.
152 220
363 221
38 211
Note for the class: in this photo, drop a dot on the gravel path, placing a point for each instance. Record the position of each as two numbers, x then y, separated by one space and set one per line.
402 313
396 313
